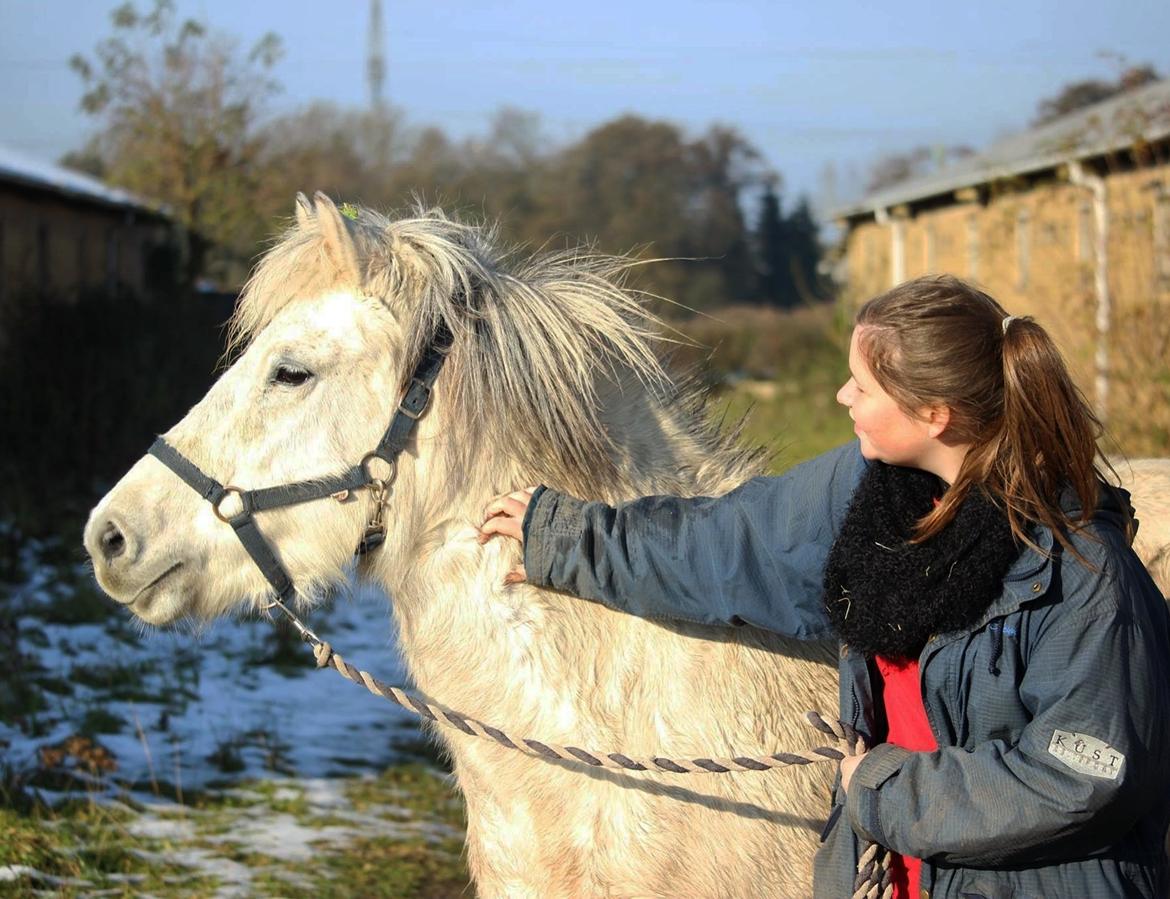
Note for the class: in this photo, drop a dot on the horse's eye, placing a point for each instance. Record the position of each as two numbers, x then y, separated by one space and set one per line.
290 376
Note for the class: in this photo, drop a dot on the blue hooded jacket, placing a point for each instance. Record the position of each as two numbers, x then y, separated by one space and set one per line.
1052 713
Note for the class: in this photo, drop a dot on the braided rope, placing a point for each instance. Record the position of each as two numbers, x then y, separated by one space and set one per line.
873 873
842 733
873 880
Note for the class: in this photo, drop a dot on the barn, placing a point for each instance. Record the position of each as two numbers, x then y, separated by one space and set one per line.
63 233
1069 222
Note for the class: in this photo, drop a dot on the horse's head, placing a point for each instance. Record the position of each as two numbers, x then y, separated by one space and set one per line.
551 375
310 395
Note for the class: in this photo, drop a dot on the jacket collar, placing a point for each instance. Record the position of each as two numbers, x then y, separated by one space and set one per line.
1027 580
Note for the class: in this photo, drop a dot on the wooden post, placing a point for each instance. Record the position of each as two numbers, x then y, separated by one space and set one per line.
1099 192
897 226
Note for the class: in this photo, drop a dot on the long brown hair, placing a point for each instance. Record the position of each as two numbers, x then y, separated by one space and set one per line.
937 341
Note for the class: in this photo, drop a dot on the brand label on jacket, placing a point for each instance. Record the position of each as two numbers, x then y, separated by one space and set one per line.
1086 754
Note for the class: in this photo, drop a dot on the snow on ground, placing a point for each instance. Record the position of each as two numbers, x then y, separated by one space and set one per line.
207 710
194 707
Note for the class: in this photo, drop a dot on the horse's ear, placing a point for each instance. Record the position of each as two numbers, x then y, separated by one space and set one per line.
338 241
304 210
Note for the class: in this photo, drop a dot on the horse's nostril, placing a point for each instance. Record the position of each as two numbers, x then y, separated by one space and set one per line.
112 542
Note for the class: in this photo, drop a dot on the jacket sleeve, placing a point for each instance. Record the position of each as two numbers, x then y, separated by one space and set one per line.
754 556
1087 766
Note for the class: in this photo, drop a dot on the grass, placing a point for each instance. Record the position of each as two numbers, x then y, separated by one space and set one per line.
793 427
282 650
76 599
413 786
779 372
400 834
390 869
100 721
119 681
30 693
228 756
88 846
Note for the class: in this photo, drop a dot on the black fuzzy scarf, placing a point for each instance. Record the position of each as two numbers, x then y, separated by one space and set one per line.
887 596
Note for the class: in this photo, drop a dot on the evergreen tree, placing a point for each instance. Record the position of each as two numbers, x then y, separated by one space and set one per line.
788 252
770 246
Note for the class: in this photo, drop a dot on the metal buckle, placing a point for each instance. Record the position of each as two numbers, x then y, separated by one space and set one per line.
227 491
410 413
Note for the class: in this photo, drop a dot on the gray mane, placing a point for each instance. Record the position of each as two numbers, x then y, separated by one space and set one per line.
547 346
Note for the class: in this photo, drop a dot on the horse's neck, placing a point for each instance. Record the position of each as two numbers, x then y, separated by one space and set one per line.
476 646
544 665
471 643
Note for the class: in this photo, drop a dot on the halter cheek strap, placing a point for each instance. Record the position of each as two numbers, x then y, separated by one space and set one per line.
414 403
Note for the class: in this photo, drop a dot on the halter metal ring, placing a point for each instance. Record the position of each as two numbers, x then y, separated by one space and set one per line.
370 479
228 491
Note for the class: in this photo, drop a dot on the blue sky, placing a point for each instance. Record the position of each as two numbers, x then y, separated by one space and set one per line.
808 83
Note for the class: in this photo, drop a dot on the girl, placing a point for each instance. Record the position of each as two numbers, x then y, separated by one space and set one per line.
1003 651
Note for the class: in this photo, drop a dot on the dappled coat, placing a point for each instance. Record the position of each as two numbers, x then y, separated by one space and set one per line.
1052 713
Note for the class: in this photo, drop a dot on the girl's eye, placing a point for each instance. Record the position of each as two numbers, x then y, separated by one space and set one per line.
289 376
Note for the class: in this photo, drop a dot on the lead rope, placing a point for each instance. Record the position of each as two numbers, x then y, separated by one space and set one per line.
873 869
873 873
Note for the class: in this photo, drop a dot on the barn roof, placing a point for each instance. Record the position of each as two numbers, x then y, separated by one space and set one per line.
25 171
1141 115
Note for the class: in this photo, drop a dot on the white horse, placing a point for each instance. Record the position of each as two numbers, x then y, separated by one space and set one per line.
1148 481
551 376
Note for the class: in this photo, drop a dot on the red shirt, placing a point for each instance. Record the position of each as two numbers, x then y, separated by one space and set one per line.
910 729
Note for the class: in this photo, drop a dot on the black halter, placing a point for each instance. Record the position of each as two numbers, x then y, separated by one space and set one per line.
414 404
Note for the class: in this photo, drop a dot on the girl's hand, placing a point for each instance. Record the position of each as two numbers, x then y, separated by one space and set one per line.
848 766
505 515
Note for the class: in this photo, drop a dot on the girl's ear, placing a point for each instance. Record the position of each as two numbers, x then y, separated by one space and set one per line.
938 418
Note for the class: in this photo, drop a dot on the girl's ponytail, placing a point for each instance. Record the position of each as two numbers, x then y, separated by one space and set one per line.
1049 434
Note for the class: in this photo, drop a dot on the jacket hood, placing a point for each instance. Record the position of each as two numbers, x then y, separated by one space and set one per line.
1113 508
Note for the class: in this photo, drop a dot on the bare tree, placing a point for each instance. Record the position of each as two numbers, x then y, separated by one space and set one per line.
1081 94
896 168
177 107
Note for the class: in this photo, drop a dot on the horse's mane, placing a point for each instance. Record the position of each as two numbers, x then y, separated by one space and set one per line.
537 339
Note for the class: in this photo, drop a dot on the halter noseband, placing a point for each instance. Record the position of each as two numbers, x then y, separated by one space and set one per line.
414 403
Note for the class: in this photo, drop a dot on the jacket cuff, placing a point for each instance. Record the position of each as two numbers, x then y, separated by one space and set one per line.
552 524
862 800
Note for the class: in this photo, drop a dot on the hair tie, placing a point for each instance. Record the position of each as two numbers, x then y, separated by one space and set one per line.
1008 320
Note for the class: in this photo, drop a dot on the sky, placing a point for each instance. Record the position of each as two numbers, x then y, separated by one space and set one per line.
811 84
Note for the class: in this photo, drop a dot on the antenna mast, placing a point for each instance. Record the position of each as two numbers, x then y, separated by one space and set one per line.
376 65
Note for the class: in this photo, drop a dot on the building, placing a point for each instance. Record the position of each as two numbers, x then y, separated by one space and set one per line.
63 233
1069 222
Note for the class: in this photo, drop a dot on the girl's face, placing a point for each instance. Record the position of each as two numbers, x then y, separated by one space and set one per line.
886 432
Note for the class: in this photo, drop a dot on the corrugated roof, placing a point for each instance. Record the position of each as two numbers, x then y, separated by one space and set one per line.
1113 124
17 168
